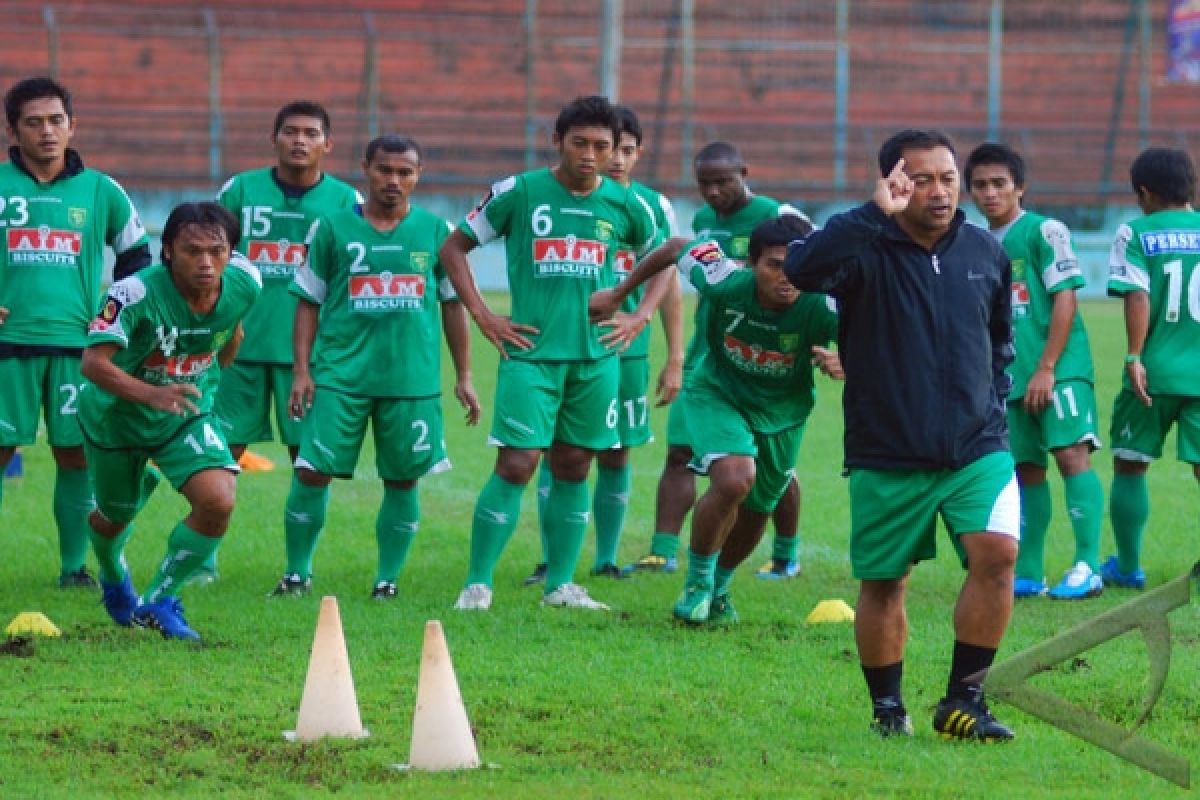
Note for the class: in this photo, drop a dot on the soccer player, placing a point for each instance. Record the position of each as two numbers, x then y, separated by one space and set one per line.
152 363
558 382
730 213
747 400
613 474
925 337
58 216
372 297
1153 268
1052 406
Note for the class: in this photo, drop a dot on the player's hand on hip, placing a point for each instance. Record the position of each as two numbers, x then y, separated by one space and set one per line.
603 305
175 398
1038 391
670 381
893 192
623 328
829 362
1136 371
300 399
464 391
502 330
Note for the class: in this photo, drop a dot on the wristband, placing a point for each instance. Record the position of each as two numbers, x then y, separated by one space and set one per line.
1133 358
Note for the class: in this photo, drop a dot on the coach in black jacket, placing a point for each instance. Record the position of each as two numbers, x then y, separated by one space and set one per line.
924 335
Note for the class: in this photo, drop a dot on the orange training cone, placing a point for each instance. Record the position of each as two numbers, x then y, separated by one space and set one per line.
329 706
441 737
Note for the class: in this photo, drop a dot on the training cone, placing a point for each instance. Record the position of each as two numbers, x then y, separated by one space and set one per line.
329 706
33 622
253 462
441 736
831 611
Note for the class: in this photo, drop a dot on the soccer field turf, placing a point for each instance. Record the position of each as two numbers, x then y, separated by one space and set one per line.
564 702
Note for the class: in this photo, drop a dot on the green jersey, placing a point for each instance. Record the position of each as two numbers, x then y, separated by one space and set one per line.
1043 264
55 235
1158 254
378 333
759 359
664 220
277 221
162 341
560 248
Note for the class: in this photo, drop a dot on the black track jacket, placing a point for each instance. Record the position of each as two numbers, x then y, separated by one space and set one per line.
924 338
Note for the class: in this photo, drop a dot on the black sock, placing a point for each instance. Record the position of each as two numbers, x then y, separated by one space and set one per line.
884 685
968 660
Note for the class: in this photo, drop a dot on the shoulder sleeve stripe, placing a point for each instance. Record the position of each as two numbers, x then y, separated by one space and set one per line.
648 245
240 262
1123 274
133 232
310 284
225 188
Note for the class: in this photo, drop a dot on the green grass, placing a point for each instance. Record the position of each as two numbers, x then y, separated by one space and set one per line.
565 703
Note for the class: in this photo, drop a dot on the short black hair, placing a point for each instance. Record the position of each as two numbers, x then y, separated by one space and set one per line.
391 143
777 232
629 124
1167 172
911 139
591 111
207 215
302 108
720 151
34 89
996 153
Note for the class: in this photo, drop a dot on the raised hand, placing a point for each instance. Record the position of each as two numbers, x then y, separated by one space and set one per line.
893 192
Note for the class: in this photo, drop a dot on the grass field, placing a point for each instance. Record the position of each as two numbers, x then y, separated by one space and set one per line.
564 703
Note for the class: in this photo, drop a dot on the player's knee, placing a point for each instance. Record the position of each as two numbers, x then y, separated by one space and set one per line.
733 477
678 458
69 458
104 526
312 478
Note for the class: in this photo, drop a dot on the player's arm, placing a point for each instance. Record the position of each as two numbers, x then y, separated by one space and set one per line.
98 367
1000 331
227 353
1041 383
458 338
1137 325
670 380
602 305
623 328
304 331
498 330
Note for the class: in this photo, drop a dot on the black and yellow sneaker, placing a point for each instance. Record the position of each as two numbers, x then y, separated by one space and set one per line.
958 718
888 723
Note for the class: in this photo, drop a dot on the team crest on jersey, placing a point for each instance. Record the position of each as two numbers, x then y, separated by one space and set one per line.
387 292
44 246
1018 268
754 359
276 259
789 341
604 230
420 261
569 257
77 216
739 246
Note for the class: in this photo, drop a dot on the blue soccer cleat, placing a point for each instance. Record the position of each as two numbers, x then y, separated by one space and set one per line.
1079 583
777 569
165 615
1110 571
120 600
1029 587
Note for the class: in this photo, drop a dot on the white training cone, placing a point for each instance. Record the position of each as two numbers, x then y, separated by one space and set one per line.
329 706
441 737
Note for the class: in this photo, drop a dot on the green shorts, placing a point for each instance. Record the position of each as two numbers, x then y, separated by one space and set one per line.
893 515
1069 419
36 386
1138 432
409 438
573 402
633 412
117 474
244 400
718 430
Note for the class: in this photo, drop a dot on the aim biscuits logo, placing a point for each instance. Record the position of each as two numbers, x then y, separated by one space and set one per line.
276 259
569 257
758 361
624 263
44 246
387 292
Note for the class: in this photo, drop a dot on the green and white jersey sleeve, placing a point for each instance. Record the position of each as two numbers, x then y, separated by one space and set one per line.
560 248
760 359
664 219
161 341
1158 254
53 267
276 226
1043 264
379 328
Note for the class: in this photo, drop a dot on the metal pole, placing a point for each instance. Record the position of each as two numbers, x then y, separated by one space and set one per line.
687 60
214 97
530 84
995 68
1144 90
841 107
51 21
372 87
611 42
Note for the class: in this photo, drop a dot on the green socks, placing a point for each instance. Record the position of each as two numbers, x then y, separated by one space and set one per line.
110 554
303 519
72 504
664 544
700 570
395 529
785 548
496 514
1085 504
1036 509
545 478
1129 509
721 580
186 551
566 522
610 502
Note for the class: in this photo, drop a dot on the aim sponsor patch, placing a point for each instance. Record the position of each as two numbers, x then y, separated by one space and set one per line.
706 253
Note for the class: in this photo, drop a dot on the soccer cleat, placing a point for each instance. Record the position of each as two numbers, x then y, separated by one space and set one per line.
384 590
778 569
609 571
892 723
253 462
476 597
1110 572
165 615
722 612
291 585
537 576
694 605
1029 587
1078 583
572 595
203 576
120 601
959 718
79 579
652 562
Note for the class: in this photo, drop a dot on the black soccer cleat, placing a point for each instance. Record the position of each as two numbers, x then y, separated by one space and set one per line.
79 579
958 718
537 576
291 585
892 723
384 590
